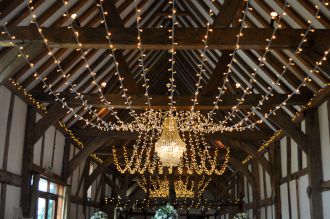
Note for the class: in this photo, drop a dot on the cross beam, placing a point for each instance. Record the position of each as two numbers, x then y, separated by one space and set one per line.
182 102
157 38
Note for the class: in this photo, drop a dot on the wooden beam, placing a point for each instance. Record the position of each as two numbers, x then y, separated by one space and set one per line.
89 148
182 102
115 187
250 150
10 178
157 38
27 162
12 62
54 113
227 13
100 169
284 122
314 164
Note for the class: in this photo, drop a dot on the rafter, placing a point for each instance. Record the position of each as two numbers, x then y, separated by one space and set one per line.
157 38
284 121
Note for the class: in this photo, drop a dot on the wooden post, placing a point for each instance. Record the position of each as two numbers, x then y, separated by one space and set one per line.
314 164
34 195
66 158
256 195
27 162
276 161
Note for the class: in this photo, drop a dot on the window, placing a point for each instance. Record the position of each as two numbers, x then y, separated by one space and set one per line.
50 200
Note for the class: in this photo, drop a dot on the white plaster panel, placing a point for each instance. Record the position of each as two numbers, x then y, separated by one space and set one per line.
48 147
58 154
17 133
326 201
303 198
294 156
4 110
261 180
12 200
284 201
293 197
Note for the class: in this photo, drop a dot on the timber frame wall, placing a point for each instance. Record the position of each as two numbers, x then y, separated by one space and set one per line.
19 159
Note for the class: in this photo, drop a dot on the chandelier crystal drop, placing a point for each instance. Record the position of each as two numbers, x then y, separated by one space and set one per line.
170 147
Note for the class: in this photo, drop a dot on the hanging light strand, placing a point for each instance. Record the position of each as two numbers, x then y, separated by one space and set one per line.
171 86
73 88
111 49
144 70
223 88
290 62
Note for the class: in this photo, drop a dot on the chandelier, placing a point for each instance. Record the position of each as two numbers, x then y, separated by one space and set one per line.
170 147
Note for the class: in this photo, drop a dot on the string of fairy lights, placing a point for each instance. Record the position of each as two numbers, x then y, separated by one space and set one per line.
285 68
222 89
144 70
171 85
64 75
290 62
184 186
180 203
262 61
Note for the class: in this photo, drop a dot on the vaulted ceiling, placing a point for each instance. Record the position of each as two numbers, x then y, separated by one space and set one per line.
192 18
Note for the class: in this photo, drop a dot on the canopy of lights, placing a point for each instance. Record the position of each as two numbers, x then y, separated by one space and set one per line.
172 140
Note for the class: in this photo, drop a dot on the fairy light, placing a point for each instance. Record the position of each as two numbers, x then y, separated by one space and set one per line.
203 59
112 55
223 88
308 105
87 66
262 61
85 105
45 84
171 86
142 54
285 68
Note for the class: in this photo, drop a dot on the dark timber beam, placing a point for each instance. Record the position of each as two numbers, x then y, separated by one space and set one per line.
182 102
225 17
27 163
114 20
54 113
88 149
250 150
157 38
284 122
12 62
115 187
314 164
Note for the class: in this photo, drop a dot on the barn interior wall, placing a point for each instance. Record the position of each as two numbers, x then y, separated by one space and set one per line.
47 155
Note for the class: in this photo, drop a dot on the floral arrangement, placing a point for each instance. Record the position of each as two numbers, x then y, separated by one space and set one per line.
166 212
241 215
100 215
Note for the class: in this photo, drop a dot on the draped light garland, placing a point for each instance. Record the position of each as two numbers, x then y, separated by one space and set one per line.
103 125
184 188
197 158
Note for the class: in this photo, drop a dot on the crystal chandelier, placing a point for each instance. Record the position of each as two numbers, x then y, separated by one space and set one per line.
170 147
